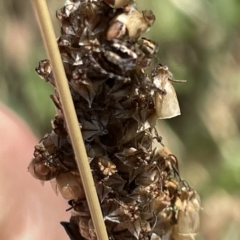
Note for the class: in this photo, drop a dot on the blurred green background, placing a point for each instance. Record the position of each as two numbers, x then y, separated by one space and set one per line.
200 42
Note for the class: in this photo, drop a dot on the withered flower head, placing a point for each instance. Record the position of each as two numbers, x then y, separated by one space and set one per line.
139 187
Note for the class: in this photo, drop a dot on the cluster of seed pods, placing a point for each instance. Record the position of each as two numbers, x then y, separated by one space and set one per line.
141 193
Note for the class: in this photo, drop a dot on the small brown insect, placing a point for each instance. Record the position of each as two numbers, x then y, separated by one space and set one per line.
131 25
166 102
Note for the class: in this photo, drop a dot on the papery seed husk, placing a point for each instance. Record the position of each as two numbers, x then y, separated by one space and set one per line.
70 186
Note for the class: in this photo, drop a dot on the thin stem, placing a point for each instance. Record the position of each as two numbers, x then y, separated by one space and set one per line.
48 35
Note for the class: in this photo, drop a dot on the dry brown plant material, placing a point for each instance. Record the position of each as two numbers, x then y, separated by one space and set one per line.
141 193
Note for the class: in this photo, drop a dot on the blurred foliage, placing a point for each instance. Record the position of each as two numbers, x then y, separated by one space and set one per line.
199 41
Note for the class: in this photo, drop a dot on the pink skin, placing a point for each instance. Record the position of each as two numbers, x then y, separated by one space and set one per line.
28 210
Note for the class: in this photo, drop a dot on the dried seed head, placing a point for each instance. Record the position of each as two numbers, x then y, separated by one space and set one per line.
140 190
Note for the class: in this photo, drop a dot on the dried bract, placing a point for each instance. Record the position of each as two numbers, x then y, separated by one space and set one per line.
189 208
166 101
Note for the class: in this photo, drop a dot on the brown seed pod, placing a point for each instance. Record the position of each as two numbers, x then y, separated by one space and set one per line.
122 55
131 25
164 152
72 228
70 186
42 170
106 166
188 219
166 102
148 47
155 237
44 70
164 225
70 6
116 30
159 203
87 229
118 3
171 184
147 176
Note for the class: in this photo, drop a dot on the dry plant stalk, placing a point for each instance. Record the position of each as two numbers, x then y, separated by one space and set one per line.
141 193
